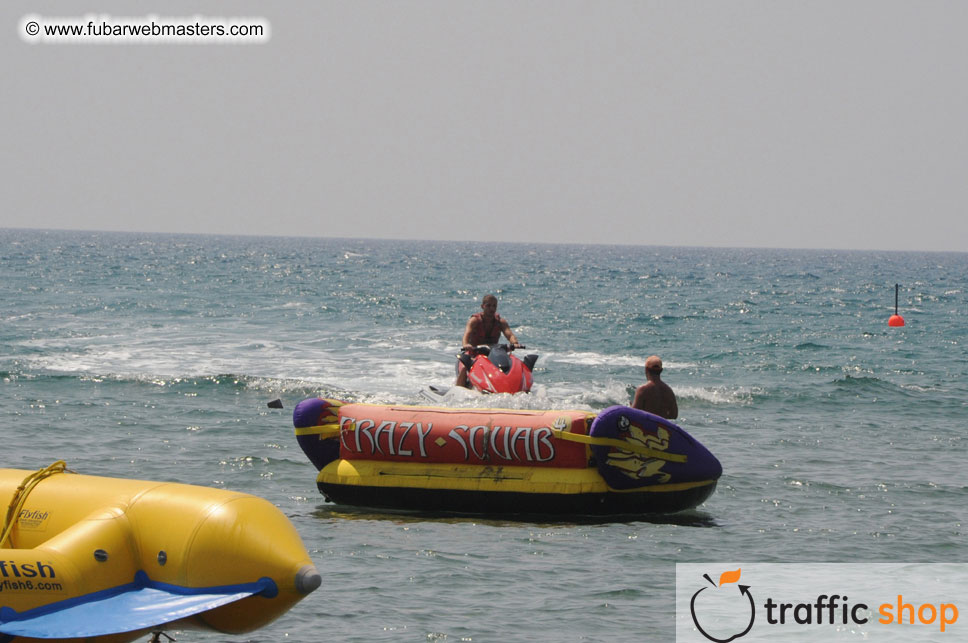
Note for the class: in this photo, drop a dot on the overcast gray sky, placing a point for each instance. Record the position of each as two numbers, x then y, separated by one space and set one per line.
820 124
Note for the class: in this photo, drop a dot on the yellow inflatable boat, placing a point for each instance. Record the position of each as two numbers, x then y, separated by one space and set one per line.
621 462
101 559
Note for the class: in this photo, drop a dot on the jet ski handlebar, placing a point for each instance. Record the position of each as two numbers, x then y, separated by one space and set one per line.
484 349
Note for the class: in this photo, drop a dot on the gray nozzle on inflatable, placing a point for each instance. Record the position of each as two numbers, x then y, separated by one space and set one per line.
308 579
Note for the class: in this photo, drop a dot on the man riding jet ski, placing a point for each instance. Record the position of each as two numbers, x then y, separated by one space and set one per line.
485 365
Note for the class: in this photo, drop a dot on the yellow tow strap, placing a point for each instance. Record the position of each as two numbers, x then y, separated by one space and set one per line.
624 445
326 431
20 496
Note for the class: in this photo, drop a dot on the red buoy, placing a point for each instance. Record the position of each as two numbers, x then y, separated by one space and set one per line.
895 320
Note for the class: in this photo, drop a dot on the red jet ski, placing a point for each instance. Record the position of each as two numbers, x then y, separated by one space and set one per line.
493 369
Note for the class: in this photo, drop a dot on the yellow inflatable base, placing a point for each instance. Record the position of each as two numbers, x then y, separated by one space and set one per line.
498 490
75 546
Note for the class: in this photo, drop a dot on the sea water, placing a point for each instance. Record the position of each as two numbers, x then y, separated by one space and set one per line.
154 357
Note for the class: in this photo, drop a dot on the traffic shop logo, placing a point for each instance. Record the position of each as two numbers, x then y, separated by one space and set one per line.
711 601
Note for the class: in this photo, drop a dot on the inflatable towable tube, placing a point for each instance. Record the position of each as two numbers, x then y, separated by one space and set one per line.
103 559
500 461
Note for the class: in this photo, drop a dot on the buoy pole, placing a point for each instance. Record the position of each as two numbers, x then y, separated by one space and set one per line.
895 320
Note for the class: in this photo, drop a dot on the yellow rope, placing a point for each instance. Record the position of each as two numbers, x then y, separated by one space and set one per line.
20 496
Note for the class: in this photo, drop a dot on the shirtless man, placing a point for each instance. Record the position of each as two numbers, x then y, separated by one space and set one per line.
485 327
655 396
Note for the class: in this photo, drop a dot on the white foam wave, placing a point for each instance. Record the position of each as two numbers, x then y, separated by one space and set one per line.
380 369
717 394
588 358
592 359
